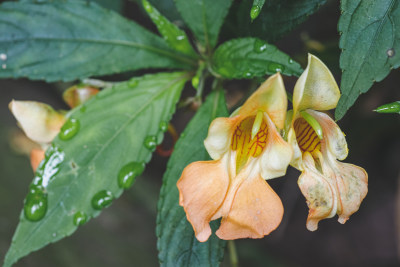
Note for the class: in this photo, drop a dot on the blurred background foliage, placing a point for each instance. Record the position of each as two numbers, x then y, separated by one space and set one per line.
124 235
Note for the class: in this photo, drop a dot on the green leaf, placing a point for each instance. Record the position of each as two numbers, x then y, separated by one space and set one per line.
177 244
77 39
370 46
175 37
96 155
276 18
256 8
205 18
252 57
393 107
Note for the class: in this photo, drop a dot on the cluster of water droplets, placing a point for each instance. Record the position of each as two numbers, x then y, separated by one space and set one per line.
35 206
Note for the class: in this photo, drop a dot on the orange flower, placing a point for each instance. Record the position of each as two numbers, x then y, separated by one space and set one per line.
330 187
246 149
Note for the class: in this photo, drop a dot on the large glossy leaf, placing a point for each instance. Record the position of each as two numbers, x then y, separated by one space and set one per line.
252 57
276 18
112 135
67 40
370 46
204 17
176 241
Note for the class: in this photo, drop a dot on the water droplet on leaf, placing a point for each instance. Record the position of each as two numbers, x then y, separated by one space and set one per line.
275 67
102 199
80 218
259 46
150 142
69 129
4 66
163 126
128 173
133 83
35 205
290 61
3 56
391 52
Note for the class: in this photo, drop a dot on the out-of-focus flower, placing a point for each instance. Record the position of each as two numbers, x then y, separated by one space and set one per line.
41 123
246 149
330 187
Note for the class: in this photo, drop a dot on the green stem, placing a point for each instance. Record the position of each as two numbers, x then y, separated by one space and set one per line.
233 257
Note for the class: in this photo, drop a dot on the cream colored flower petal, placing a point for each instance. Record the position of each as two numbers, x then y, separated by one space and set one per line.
297 161
270 97
276 155
256 211
39 121
219 136
334 138
352 184
202 190
316 88
319 192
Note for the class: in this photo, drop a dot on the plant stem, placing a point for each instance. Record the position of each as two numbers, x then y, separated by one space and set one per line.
232 254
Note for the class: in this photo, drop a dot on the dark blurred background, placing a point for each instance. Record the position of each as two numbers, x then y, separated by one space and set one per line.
124 234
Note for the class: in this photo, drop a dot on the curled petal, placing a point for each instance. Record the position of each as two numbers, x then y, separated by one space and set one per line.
39 121
219 136
334 139
316 88
352 182
202 189
256 211
277 154
319 191
271 98
37 155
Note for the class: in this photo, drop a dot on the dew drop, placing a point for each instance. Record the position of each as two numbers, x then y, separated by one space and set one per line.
390 52
275 67
54 234
163 126
102 199
180 37
290 61
3 56
128 173
150 142
69 129
4 66
80 218
259 46
35 205
133 83
147 7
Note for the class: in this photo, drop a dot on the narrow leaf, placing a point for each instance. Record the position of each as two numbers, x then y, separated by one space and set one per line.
275 19
204 17
175 37
370 46
256 8
77 39
393 107
177 244
252 57
97 154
